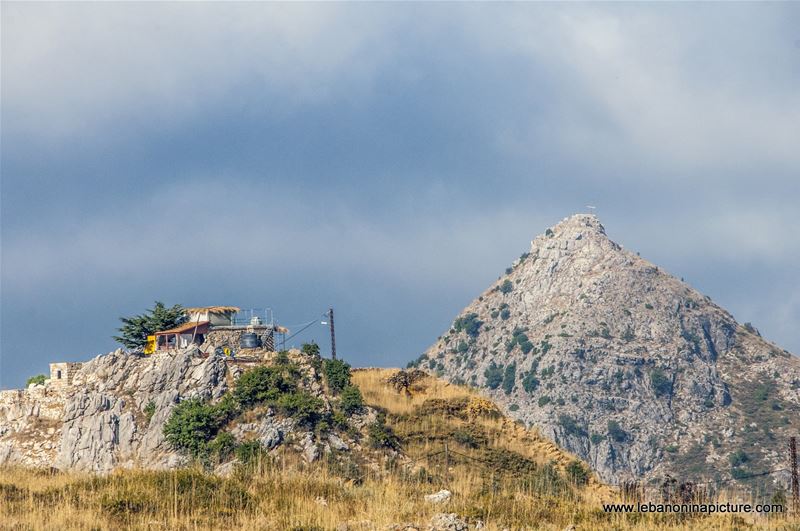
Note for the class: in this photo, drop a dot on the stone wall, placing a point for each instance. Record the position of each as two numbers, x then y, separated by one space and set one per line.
61 374
226 337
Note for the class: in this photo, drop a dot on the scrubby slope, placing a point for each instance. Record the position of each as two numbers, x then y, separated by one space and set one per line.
501 476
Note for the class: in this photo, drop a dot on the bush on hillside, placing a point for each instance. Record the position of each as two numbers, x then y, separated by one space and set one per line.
304 407
351 401
506 287
337 373
469 324
529 382
494 376
381 435
193 423
265 384
616 432
661 384
38 380
577 473
310 349
510 378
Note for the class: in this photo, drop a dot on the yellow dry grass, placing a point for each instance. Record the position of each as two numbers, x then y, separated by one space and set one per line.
283 493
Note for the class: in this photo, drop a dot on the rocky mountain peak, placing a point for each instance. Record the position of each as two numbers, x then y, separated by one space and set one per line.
584 223
621 363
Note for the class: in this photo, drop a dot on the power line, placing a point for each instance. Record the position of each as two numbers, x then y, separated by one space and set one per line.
305 326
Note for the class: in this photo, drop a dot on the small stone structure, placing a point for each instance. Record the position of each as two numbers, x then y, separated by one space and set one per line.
61 373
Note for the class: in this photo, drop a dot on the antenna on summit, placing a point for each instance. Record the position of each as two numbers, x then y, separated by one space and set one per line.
591 208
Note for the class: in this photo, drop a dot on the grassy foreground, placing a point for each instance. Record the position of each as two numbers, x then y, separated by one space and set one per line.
499 473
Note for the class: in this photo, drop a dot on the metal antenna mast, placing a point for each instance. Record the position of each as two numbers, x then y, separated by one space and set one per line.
333 335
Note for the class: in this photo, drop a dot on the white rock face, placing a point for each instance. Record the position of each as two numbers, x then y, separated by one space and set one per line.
619 362
99 422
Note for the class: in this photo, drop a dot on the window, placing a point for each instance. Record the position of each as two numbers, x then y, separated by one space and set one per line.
58 375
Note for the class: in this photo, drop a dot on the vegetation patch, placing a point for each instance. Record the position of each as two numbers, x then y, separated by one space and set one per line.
469 323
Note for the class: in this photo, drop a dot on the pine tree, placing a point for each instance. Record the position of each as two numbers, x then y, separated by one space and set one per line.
134 330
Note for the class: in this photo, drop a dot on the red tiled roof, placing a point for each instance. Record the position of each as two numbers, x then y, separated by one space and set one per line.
183 328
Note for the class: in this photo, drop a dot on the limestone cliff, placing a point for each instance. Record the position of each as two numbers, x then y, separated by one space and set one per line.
113 412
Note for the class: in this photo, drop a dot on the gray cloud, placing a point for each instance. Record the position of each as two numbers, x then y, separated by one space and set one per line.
389 159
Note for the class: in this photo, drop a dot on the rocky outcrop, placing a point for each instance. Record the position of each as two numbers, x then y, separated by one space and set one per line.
623 364
113 413
105 419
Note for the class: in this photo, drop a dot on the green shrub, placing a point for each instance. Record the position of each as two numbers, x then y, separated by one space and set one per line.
249 451
616 432
310 349
510 378
150 410
543 400
265 384
494 375
352 401
577 473
513 407
337 372
762 392
302 406
738 458
222 446
738 473
570 426
191 425
661 384
381 435
505 314
38 380
282 358
596 438
465 438
628 335
506 287
462 347
469 324
529 382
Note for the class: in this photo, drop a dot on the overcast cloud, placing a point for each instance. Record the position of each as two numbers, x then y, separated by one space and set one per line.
387 159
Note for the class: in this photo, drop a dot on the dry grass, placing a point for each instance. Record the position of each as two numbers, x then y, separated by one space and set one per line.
282 493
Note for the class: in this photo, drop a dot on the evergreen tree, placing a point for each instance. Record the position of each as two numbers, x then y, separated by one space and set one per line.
134 330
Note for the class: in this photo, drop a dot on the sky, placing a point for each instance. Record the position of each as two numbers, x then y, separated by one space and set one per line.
389 160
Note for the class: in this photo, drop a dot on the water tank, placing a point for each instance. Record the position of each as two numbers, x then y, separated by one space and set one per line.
255 320
248 340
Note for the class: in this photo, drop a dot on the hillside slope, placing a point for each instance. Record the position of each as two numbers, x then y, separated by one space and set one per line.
623 364
428 435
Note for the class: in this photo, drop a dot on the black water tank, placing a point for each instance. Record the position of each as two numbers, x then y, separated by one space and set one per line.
248 340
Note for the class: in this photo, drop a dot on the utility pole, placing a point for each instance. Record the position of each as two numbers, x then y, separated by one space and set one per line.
333 335
795 480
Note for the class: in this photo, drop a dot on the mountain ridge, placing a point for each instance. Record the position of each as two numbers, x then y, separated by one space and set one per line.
622 363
